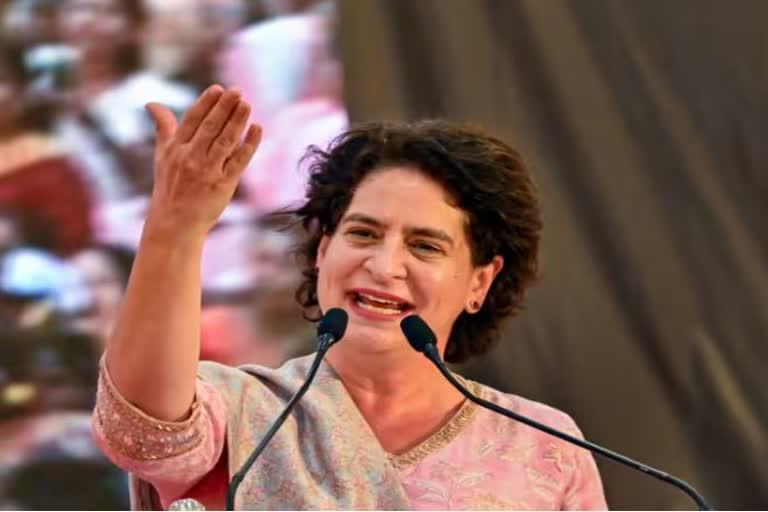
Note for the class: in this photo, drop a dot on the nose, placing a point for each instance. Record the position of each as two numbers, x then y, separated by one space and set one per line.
386 261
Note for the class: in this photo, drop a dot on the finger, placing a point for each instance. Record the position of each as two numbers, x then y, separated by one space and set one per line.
227 140
239 160
164 120
197 112
214 121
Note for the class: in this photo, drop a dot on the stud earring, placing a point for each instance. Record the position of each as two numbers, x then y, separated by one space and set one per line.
475 306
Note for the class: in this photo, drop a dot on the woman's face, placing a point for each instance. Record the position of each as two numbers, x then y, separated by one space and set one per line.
102 22
399 249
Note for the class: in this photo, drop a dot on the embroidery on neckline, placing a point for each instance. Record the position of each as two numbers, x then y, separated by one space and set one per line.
443 436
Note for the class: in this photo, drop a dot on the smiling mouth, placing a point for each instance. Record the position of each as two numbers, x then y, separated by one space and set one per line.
379 305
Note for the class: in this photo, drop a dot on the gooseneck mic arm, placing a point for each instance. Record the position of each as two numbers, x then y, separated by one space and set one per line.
423 340
330 330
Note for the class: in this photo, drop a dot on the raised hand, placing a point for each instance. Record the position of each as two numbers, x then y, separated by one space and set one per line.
198 162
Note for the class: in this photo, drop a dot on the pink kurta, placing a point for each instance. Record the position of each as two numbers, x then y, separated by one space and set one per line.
478 460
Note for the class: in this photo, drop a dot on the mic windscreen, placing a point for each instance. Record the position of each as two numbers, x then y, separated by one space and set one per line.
334 322
186 504
417 332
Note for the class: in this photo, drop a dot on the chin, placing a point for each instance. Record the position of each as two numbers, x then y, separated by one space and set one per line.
376 337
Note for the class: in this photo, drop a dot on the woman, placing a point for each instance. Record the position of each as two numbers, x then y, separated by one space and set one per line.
430 219
40 188
287 68
103 121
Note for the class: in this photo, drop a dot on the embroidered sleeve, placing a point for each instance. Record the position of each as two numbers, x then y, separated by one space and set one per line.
134 434
172 456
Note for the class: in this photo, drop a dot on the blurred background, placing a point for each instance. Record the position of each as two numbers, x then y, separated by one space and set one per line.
643 124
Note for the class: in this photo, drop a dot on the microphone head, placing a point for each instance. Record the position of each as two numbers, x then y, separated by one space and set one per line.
186 504
417 332
334 322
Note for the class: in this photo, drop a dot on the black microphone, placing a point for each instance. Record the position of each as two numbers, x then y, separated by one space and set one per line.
423 340
330 330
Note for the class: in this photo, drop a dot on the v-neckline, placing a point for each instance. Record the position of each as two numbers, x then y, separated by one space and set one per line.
437 440
442 436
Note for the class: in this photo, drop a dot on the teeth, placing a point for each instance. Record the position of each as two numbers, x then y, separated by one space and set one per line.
379 300
376 309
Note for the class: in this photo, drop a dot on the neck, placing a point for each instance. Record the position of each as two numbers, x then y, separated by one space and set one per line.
384 381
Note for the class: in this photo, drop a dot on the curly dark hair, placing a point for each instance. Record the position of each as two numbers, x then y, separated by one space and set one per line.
483 176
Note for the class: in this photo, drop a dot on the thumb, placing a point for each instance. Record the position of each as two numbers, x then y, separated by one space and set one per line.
165 121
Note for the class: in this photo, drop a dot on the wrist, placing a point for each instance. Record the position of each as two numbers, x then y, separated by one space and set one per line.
161 232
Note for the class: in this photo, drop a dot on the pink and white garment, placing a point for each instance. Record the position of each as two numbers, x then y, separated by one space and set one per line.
327 457
286 71
277 176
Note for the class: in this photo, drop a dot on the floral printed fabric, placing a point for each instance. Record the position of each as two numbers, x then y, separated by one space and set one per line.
327 457
499 464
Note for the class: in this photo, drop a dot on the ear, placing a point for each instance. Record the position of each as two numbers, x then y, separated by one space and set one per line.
322 248
482 279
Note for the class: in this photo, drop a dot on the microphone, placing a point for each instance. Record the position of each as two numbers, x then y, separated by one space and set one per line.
330 330
186 504
423 340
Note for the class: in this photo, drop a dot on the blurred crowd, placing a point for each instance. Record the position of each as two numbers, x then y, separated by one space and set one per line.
75 175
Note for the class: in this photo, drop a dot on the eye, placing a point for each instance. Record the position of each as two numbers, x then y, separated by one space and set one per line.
362 233
427 247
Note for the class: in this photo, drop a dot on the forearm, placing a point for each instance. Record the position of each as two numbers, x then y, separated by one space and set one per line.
153 351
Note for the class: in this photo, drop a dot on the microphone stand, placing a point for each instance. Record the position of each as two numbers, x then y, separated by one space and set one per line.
430 350
325 341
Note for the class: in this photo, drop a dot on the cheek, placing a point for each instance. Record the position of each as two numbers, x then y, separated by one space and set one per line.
322 288
445 290
330 271
334 271
447 280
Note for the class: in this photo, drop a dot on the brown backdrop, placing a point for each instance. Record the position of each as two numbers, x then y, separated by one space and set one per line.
645 127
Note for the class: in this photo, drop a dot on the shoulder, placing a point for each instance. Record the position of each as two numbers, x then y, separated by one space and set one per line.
532 409
561 473
233 382
211 370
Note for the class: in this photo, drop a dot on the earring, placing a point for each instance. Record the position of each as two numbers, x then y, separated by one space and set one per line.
475 305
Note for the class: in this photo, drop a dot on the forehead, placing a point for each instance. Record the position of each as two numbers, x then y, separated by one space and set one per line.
405 195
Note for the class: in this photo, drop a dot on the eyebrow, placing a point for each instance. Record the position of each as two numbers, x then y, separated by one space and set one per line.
437 234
